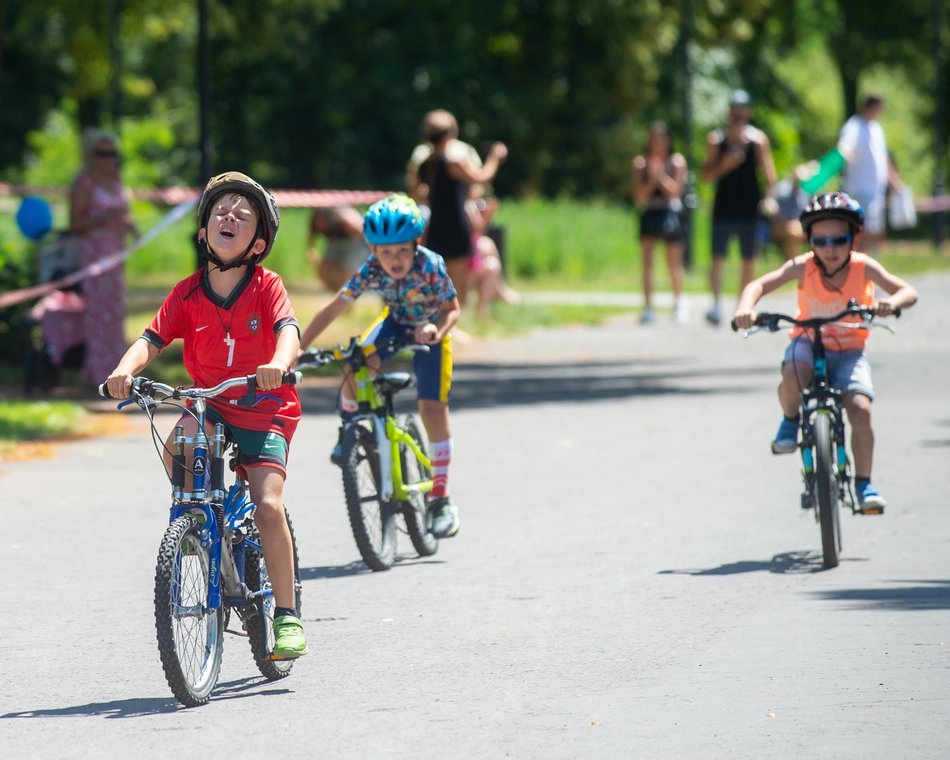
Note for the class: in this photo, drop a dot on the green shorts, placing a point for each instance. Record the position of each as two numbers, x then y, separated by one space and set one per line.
255 448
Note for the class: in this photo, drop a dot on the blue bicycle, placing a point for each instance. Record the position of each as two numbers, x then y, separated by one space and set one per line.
210 560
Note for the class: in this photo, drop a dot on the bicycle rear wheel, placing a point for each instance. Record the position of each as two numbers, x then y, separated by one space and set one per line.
827 488
259 623
416 511
372 520
190 636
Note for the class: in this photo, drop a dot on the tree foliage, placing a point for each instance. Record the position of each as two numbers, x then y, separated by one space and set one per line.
330 92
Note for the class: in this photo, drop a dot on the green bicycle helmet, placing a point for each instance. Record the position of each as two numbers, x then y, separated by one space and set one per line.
395 219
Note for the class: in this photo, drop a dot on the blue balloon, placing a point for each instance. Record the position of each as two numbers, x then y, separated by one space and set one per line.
34 217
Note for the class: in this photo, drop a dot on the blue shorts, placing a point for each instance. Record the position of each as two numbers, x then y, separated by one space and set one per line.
433 369
848 371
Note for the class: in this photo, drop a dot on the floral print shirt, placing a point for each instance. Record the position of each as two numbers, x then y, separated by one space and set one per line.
412 300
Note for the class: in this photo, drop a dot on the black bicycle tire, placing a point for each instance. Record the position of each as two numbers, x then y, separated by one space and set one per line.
417 523
258 623
827 490
185 689
376 543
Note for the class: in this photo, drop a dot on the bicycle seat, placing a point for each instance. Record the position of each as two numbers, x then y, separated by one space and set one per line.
393 382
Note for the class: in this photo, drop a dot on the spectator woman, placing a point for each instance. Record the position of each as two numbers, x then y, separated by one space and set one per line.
657 181
449 173
99 213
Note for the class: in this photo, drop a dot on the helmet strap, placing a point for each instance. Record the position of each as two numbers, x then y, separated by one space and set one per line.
828 274
208 254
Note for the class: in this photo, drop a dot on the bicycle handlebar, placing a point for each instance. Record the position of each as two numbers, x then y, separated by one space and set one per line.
142 386
770 320
317 357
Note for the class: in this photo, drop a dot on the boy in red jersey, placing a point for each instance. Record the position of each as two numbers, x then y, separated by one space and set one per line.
235 318
829 277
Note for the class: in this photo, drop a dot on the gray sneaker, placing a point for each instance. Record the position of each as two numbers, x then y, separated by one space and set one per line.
445 517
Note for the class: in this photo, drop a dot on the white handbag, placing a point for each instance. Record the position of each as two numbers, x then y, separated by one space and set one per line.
900 209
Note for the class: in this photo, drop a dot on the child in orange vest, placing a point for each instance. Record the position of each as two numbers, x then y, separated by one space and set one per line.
828 277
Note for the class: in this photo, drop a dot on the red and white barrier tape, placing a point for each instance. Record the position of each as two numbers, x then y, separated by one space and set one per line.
171 196
104 264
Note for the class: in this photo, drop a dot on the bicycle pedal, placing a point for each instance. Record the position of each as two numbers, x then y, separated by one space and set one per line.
871 511
280 658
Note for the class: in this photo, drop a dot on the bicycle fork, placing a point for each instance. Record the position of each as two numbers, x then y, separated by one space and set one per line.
206 505
843 477
385 460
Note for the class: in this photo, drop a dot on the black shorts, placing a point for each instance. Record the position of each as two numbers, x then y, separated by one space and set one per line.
661 223
747 230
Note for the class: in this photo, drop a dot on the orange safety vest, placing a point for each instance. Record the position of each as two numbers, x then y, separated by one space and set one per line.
817 299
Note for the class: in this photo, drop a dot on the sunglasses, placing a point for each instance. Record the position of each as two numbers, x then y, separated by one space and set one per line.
827 240
105 153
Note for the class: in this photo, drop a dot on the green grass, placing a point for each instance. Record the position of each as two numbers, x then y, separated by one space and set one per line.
38 420
561 244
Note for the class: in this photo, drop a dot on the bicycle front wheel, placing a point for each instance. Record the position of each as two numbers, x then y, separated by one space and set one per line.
372 519
259 624
827 488
416 511
190 636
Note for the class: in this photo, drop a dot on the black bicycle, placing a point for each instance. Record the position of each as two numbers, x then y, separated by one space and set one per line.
826 467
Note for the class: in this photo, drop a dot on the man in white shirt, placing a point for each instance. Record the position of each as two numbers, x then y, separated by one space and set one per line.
869 170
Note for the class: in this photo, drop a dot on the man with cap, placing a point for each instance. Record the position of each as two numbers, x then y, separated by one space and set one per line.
734 155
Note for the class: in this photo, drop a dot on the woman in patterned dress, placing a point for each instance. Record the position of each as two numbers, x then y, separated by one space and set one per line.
99 212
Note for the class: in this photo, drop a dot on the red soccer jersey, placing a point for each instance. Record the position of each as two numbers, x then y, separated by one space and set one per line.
229 337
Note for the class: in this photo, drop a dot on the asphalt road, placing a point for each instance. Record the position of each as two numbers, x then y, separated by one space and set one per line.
634 577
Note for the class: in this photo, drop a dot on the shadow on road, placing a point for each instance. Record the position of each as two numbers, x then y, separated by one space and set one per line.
120 708
490 385
135 708
786 563
358 568
926 595
334 571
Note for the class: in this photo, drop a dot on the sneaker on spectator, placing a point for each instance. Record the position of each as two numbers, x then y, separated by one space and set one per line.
646 316
714 315
680 311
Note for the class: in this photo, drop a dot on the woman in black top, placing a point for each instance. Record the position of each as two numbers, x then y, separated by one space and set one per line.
449 175
658 177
